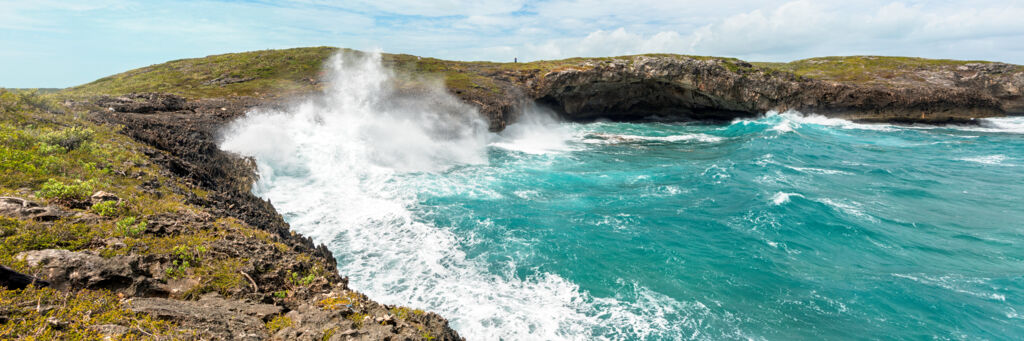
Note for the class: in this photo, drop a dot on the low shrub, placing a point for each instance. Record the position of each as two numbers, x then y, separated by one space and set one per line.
77 191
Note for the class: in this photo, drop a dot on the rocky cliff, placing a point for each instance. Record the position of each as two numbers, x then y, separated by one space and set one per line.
681 88
120 218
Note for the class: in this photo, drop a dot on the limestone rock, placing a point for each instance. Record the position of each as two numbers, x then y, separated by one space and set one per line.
69 270
214 317
24 209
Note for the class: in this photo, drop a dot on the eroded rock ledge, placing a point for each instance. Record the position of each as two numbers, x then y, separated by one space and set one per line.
681 88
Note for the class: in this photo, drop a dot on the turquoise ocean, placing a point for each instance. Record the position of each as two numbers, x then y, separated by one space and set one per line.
780 227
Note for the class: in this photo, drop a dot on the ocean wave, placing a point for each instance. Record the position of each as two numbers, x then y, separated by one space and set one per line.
792 121
605 138
957 283
986 159
847 207
537 131
781 198
813 170
347 174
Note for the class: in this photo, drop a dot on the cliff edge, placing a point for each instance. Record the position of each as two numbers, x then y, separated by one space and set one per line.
642 87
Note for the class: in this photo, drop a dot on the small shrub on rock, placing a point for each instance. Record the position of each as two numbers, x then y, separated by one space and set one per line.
69 139
127 227
184 258
77 191
109 208
278 323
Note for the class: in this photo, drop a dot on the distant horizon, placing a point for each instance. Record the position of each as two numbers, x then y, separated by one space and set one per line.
59 44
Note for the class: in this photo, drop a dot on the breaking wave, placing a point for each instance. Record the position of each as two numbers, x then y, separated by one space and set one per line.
337 168
773 227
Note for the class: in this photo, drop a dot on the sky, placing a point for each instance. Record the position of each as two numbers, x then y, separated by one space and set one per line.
51 43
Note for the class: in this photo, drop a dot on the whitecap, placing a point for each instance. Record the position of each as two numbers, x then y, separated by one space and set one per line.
987 159
606 138
850 208
346 170
782 197
818 170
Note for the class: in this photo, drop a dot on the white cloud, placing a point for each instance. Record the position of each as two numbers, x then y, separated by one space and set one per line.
804 28
441 8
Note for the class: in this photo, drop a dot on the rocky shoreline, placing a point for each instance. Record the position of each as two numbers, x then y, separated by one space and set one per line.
209 260
682 88
234 271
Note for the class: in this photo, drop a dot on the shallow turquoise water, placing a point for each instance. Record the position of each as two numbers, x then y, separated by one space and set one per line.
777 228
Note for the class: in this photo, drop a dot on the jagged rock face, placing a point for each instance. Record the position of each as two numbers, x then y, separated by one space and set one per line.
184 141
681 88
68 270
24 209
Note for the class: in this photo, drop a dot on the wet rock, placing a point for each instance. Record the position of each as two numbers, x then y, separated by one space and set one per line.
24 209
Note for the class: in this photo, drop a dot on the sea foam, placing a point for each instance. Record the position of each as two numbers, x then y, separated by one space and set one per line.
335 168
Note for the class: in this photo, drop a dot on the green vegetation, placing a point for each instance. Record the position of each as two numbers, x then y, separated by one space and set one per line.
279 322
867 69
327 334
55 155
335 303
77 191
127 227
283 72
299 280
235 74
222 277
184 258
47 314
357 319
110 208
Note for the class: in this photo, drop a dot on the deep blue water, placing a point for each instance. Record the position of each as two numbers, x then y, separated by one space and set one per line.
776 228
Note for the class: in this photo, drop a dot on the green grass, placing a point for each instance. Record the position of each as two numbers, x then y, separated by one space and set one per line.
47 314
278 323
299 70
56 156
868 69
270 72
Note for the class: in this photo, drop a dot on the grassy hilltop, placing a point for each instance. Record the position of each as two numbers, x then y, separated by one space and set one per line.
277 72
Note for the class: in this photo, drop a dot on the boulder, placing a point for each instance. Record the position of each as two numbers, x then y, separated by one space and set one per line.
101 196
24 209
214 317
70 270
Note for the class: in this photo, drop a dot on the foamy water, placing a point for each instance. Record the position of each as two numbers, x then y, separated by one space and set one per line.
786 226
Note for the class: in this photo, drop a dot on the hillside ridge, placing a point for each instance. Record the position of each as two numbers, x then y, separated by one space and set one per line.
636 87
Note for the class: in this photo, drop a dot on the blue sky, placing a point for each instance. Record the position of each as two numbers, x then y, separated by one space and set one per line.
50 43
